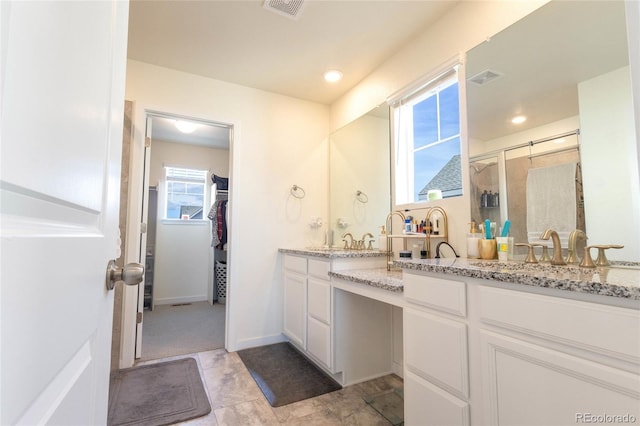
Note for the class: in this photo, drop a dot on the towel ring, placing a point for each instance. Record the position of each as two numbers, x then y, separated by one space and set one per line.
295 191
362 197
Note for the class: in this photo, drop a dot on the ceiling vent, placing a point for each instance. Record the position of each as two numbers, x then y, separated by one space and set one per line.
485 77
289 8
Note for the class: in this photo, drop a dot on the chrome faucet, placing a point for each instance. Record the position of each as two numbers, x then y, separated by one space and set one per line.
344 238
575 236
364 239
557 247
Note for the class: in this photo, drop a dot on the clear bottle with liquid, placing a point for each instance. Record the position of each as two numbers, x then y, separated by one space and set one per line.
473 237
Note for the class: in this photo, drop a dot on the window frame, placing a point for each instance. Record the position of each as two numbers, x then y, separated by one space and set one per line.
451 71
193 179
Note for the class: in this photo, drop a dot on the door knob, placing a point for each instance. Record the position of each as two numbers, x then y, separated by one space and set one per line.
130 274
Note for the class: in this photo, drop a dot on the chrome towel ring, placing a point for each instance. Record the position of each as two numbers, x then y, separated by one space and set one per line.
297 191
362 197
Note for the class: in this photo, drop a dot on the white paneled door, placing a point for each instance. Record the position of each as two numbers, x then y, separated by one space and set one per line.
62 75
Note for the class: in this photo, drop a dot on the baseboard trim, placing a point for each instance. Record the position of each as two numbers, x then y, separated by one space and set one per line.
258 341
176 300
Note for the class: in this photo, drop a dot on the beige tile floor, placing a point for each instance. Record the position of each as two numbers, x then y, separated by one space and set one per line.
236 400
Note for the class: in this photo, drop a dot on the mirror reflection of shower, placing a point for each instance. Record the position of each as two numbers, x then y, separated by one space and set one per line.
485 197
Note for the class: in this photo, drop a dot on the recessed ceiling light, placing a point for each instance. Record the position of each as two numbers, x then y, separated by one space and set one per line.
518 119
186 126
332 76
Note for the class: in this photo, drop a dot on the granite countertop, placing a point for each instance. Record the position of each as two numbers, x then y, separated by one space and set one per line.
619 280
333 253
381 278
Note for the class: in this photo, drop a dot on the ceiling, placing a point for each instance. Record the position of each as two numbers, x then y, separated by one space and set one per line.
204 134
241 42
543 57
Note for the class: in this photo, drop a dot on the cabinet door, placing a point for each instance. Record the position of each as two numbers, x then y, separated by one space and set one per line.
319 341
295 308
319 301
426 404
436 349
525 383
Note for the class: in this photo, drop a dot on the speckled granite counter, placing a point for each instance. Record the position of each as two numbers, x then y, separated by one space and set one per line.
381 278
621 280
333 253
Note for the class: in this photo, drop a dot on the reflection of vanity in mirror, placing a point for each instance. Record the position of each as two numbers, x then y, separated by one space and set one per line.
564 67
359 177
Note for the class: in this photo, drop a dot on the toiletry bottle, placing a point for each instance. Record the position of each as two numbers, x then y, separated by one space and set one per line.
483 199
490 200
407 225
382 239
472 242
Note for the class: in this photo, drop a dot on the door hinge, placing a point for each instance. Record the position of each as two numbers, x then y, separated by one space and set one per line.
147 142
139 318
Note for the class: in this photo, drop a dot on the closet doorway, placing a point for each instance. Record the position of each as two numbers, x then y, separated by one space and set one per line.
186 193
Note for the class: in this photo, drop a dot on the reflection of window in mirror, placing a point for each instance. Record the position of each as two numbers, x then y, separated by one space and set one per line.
426 123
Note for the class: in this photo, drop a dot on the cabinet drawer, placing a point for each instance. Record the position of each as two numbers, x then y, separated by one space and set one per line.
319 269
426 404
436 349
585 325
444 295
319 299
295 263
319 341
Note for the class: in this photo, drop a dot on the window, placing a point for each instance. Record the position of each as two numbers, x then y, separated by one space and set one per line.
426 128
185 193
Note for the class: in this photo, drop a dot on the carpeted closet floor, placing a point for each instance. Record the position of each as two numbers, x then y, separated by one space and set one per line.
183 329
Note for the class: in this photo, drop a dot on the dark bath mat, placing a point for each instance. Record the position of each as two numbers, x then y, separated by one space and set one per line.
284 375
157 394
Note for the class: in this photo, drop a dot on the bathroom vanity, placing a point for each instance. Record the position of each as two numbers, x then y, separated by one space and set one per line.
310 312
484 342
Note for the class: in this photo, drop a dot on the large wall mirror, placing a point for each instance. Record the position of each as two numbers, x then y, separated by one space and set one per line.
359 177
565 69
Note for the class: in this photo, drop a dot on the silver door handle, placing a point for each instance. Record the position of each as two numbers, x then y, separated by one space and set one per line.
130 274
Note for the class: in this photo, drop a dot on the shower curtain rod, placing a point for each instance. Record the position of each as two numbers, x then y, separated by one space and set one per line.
547 139
554 151
525 144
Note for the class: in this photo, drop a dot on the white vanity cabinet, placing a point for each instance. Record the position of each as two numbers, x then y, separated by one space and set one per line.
436 366
319 318
549 360
295 300
484 353
309 315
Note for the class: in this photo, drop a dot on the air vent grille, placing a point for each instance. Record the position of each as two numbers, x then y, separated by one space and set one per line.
288 8
485 77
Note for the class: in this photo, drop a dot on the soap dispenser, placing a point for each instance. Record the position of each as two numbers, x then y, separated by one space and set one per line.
382 239
473 237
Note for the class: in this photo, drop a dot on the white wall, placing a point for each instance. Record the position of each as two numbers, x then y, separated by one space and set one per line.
612 196
183 253
278 142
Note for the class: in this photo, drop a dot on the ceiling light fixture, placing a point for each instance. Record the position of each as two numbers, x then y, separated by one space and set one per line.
519 119
186 126
332 76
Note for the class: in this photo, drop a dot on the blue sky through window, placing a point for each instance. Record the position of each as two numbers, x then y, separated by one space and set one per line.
445 137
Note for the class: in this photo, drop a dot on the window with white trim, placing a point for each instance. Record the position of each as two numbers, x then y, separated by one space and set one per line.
426 133
185 193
